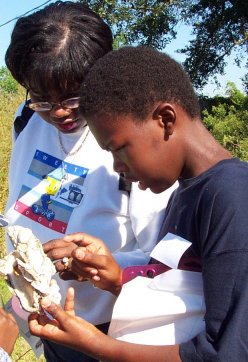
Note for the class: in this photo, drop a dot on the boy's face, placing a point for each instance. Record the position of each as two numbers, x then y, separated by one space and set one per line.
140 150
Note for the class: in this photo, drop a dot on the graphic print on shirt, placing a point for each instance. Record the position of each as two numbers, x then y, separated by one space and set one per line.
54 189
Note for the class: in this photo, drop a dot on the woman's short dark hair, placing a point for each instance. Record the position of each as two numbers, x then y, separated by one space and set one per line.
132 80
54 47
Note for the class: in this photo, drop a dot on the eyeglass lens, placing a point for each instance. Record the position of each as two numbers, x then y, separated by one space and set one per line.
70 103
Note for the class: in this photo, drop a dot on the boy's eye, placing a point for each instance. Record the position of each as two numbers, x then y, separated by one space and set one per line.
118 149
115 149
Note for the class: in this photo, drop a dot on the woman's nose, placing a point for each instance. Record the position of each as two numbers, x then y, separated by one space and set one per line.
58 111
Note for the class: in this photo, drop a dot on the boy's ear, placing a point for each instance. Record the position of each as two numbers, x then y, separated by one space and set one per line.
165 113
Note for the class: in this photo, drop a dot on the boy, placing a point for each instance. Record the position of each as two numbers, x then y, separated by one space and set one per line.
140 105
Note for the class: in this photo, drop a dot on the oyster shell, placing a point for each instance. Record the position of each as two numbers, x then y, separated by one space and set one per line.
29 271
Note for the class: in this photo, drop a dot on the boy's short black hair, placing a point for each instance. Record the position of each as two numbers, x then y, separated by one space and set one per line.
53 47
132 79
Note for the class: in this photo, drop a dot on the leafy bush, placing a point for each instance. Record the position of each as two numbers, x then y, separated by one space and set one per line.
228 122
7 83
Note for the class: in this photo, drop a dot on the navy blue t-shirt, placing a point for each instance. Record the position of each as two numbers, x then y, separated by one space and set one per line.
211 211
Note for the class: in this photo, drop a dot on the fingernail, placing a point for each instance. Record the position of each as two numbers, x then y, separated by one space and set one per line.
66 239
80 254
46 302
96 278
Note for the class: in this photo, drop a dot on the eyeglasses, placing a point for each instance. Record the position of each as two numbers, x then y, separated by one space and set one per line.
70 103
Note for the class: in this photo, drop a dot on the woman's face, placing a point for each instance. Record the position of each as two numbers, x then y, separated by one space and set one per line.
61 116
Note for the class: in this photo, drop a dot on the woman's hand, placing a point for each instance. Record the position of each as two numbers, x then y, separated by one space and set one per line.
8 331
58 250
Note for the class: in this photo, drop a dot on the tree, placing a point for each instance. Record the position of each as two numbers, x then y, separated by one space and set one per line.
139 22
245 83
228 122
219 27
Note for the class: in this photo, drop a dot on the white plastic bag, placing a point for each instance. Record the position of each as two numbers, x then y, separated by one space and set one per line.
168 309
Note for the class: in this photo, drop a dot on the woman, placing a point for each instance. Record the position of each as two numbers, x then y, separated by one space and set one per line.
60 181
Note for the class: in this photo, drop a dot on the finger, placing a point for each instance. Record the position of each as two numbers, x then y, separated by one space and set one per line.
62 318
63 265
83 273
61 252
53 244
95 261
74 237
82 239
44 319
37 319
33 316
96 278
79 253
34 326
68 275
78 267
53 309
48 331
69 306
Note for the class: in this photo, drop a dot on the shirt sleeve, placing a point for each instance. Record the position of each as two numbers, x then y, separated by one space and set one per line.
4 357
17 114
146 211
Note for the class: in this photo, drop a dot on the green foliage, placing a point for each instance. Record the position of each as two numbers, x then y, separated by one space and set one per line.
144 22
219 28
228 122
245 82
7 82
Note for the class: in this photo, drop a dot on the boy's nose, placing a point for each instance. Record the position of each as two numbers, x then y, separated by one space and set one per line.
118 165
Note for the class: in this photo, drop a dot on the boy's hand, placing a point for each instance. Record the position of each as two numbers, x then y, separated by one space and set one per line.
65 328
93 261
88 259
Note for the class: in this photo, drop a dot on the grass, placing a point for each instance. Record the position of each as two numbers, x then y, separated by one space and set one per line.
8 105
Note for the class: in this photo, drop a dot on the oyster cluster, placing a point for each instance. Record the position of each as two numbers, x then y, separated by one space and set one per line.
29 271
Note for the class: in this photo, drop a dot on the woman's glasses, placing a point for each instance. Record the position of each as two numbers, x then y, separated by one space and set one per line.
70 103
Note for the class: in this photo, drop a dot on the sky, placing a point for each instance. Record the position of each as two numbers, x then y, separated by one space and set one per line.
11 9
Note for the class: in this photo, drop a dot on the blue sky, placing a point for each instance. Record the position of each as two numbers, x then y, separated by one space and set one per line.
13 8
10 9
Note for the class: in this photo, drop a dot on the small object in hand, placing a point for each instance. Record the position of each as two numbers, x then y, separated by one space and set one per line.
28 270
65 261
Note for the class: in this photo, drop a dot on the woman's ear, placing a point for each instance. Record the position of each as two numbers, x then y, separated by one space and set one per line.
166 115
